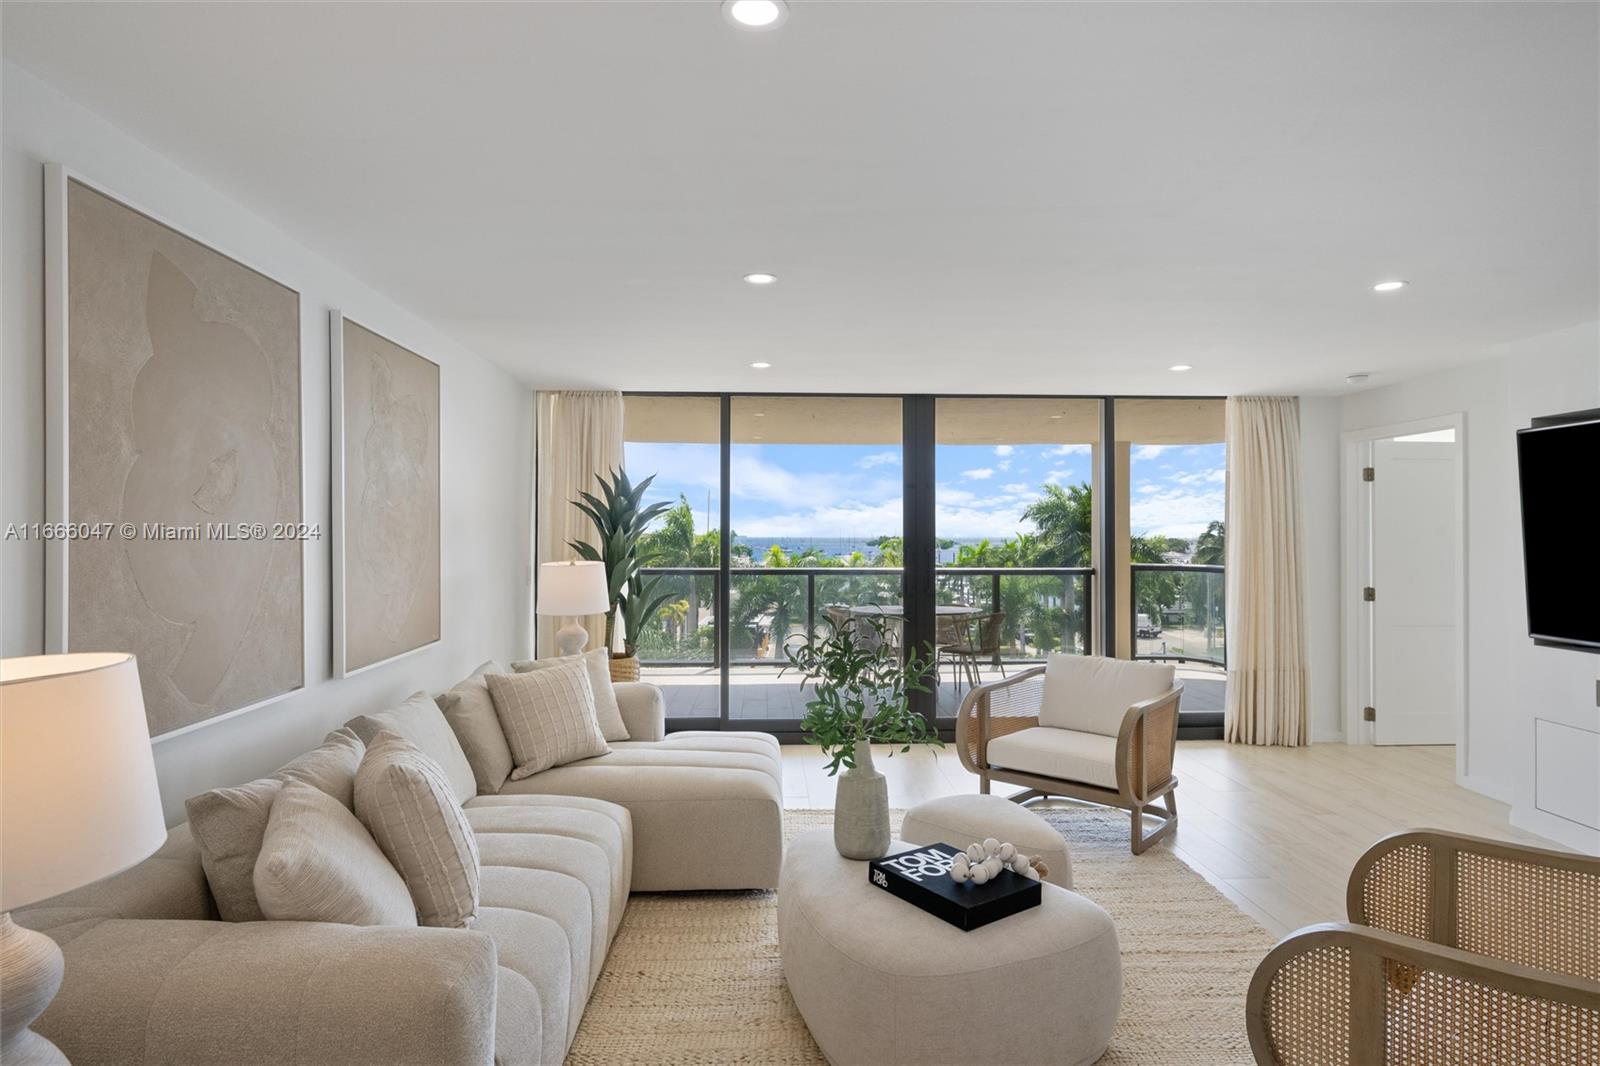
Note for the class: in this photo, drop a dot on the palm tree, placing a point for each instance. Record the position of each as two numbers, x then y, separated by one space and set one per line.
1062 517
1210 548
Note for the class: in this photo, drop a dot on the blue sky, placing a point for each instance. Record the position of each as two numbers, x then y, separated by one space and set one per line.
840 490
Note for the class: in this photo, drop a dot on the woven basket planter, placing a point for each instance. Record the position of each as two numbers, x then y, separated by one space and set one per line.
624 668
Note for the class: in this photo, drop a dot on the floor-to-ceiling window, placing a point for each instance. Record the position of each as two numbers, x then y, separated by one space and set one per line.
788 516
1174 497
678 441
1015 516
814 486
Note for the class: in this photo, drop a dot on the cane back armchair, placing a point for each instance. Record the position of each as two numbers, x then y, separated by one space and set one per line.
1459 950
1102 730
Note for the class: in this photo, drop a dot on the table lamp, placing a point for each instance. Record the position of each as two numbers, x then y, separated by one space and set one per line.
78 802
573 589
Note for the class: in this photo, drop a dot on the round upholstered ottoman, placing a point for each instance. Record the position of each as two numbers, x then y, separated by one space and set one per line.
962 820
880 981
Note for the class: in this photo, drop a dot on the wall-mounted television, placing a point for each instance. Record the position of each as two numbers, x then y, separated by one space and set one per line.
1558 469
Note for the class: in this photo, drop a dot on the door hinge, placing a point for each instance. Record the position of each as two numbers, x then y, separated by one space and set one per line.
1369 714
1368 474
1369 594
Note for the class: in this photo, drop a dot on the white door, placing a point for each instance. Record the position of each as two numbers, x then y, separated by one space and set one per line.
1416 574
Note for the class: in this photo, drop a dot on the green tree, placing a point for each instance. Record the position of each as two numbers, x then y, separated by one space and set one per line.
1210 548
1063 519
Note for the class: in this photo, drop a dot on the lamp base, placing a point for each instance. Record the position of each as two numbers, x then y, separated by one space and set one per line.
30 969
571 638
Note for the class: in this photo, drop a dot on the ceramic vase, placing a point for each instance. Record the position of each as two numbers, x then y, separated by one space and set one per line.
861 809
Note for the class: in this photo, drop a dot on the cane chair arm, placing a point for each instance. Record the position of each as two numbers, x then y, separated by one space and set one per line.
1339 993
993 710
1146 744
1511 902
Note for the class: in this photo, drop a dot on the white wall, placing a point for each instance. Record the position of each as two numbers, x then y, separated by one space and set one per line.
1319 503
485 448
1509 681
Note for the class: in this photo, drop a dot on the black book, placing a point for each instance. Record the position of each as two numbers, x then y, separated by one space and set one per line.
921 877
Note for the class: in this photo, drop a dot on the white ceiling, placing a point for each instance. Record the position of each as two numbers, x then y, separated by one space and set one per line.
959 197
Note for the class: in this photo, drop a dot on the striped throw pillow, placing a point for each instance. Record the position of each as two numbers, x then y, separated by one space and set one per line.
405 800
548 716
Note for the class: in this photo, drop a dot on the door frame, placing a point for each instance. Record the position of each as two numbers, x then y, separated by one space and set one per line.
1355 562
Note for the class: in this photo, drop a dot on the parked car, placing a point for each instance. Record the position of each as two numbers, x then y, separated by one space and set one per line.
1146 627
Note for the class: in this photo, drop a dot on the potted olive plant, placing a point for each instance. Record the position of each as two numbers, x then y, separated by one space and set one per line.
862 694
619 522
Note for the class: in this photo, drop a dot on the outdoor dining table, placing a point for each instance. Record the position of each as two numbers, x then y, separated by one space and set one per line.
896 612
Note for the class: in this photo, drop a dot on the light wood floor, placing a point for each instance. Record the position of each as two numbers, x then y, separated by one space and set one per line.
1275 829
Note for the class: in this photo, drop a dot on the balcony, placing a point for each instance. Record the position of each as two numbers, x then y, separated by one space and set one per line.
1045 610
1179 617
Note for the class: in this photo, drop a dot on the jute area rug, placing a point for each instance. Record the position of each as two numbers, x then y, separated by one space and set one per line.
696 978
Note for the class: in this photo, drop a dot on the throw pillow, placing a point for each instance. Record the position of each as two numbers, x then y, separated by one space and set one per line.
318 864
228 824
420 721
403 798
548 717
470 711
598 664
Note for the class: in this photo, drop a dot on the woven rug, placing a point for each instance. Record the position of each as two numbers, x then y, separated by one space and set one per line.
696 978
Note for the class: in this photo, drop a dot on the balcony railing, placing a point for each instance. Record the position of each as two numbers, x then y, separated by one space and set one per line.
1178 613
1047 609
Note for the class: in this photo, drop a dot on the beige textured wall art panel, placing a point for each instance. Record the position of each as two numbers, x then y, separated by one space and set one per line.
183 394
390 532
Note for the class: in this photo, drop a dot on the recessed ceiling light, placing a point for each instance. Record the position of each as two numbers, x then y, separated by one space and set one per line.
756 14
1358 378
1055 418
1389 286
1179 368
761 279
761 414
760 366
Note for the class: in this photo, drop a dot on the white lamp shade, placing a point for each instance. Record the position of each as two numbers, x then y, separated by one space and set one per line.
78 794
573 589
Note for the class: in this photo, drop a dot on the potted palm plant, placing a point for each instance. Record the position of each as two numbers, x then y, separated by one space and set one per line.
619 521
862 694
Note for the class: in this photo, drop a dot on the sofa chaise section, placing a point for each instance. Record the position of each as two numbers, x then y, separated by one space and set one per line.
707 807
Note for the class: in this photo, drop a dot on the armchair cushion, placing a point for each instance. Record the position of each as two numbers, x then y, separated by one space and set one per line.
1063 754
1092 694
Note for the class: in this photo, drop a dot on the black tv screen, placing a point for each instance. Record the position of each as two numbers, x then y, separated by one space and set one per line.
1558 466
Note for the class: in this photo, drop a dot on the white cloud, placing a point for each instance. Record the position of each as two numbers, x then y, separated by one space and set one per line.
1069 449
1003 449
982 473
1176 512
1004 464
1147 488
1060 476
867 462
1148 451
1017 488
1201 477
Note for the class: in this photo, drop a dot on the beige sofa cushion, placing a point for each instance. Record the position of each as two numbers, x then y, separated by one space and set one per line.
404 800
420 721
598 665
318 864
228 824
548 717
1092 694
1064 754
469 709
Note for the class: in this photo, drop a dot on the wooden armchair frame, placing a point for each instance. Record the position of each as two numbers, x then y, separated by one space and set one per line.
1458 949
1146 742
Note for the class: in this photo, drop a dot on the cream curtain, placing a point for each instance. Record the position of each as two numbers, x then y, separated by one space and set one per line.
580 436
1266 628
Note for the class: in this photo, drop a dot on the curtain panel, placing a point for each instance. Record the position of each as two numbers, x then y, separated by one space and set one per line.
1266 701
580 437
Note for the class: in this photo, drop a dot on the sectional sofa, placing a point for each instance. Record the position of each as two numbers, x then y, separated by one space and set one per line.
154 976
